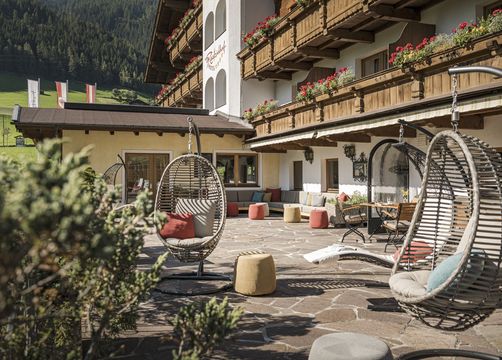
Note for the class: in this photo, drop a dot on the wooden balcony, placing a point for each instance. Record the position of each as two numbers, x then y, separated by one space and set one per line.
321 30
393 91
187 92
188 41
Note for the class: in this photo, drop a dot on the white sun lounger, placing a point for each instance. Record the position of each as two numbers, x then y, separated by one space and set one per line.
334 253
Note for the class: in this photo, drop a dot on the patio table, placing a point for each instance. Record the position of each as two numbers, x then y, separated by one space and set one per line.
380 207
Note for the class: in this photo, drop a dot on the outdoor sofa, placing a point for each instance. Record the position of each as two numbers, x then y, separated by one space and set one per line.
307 201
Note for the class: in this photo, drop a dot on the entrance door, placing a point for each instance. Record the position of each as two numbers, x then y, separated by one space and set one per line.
298 175
143 171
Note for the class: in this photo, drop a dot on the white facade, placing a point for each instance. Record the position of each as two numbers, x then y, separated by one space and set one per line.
232 95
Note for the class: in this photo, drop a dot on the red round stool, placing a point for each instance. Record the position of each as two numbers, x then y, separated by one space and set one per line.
256 212
232 209
318 219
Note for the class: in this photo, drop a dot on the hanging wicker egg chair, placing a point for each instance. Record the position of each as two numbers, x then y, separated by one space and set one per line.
457 281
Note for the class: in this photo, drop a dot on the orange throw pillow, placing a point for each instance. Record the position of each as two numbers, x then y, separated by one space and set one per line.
178 226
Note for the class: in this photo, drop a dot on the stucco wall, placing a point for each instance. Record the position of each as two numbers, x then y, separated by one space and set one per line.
106 148
314 178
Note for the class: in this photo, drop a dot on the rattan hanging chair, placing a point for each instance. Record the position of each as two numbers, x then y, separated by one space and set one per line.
110 174
192 177
459 218
191 184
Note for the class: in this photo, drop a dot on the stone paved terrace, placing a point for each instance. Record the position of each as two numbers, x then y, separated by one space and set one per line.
310 300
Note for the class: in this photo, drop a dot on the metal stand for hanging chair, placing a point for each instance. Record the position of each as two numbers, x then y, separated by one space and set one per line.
192 176
460 215
110 174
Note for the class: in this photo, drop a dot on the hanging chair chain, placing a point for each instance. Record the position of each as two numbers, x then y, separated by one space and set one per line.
190 132
455 115
401 133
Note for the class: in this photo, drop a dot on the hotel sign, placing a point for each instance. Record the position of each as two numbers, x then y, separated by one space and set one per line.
214 57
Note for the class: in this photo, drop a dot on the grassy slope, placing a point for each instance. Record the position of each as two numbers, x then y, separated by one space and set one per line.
13 90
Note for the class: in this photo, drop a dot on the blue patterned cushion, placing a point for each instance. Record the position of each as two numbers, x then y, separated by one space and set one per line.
257 196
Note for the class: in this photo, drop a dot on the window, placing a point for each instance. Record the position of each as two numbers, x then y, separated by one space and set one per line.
332 183
209 95
221 89
238 169
374 63
220 21
209 31
490 8
143 171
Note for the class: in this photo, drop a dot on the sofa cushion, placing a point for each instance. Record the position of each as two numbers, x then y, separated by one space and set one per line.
303 197
245 195
276 194
257 196
203 213
290 197
267 197
244 204
232 196
318 200
276 205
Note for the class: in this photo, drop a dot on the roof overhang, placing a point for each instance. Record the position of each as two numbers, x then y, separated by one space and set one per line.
39 123
169 13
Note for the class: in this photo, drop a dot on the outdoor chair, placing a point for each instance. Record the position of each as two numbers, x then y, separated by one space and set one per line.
353 219
398 223
190 184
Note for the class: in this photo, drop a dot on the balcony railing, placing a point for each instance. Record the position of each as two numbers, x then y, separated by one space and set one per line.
188 41
388 90
320 30
187 92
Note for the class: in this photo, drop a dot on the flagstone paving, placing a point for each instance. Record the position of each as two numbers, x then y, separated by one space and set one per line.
310 300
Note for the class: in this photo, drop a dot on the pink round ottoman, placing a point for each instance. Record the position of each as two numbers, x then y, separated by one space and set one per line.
318 219
232 209
256 212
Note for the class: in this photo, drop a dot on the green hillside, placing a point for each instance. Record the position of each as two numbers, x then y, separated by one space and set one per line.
13 90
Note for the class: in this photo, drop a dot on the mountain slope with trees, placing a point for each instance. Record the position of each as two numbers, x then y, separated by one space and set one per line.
46 39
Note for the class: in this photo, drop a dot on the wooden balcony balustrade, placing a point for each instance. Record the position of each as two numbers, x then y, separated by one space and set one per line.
188 92
391 90
188 42
321 30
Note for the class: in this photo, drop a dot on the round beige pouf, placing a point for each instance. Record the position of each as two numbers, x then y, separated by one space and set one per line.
292 214
265 206
342 346
254 274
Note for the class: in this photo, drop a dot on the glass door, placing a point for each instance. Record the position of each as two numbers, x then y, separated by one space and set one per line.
143 171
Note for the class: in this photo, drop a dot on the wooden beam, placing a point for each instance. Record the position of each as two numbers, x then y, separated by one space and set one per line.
388 12
263 75
473 122
392 131
291 65
352 36
352 137
269 149
315 52
317 142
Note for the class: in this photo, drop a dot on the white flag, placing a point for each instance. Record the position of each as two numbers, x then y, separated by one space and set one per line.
62 90
33 93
